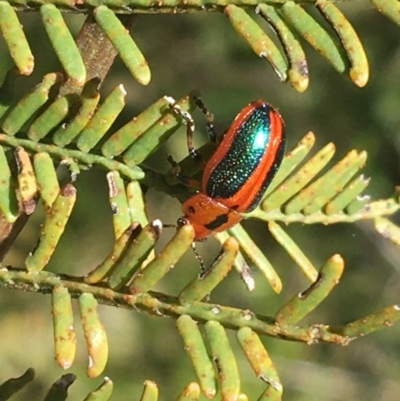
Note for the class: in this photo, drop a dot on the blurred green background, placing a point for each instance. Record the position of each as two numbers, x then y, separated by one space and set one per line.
203 52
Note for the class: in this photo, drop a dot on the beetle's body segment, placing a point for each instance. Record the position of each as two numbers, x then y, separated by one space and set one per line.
240 170
247 159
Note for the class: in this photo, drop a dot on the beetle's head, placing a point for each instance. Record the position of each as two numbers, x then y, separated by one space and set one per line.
200 232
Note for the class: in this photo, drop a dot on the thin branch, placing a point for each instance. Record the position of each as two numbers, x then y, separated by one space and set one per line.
383 207
131 173
163 305
153 7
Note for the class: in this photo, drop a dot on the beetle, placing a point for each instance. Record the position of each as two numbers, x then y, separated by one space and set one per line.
238 173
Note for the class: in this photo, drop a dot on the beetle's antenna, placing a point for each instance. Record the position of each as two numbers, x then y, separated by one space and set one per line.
203 269
199 259
170 226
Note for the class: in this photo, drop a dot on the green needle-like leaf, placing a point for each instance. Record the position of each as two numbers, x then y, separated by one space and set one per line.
29 104
345 197
123 42
120 246
258 357
271 394
119 203
359 71
51 117
257 257
293 250
389 8
388 230
291 160
15 39
100 123
298 68
357 205
136 253
240 264
196 349
63 323
128 134
303 303
312 198
68 131
201 286
315 35
298 180
190 393
150 391
136 203
95 335
164 262
103 393
222 353
377 321
53 228
63 43
46 179
260 42
158 133
338 177
8 199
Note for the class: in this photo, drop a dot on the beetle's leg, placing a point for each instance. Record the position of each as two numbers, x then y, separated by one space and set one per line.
176 171
189 122
209 119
